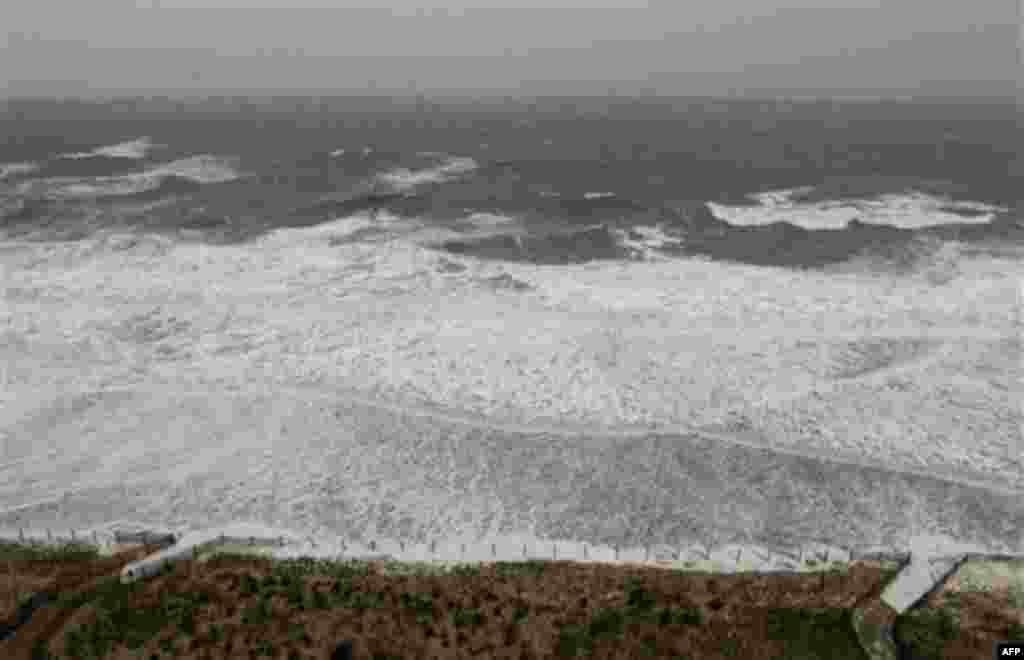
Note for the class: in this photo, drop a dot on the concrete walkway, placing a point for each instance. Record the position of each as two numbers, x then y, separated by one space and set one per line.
932 560
928 563
281 544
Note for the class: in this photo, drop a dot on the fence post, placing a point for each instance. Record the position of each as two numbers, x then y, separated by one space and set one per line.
49 534
554 550
95 539
73 536
647 553
524 551
585 556
463 552
616 553
494 551
21 534
433 549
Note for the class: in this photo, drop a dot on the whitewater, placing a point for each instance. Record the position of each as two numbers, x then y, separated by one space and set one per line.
322 358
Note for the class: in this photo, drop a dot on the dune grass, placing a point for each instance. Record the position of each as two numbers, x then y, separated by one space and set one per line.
36 550
808 632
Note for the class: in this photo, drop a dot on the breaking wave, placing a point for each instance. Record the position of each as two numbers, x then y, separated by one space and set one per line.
695 230
201 169
133 149
176 176
910 210
403 179
488 220
11 170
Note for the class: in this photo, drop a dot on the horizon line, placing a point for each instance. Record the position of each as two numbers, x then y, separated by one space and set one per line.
498 95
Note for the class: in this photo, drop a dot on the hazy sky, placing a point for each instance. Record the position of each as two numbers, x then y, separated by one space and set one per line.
826 47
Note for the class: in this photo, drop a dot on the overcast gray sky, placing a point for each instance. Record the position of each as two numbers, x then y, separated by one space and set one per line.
824 47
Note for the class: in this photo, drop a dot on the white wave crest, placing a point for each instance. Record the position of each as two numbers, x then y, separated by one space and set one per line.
405 179
598 195
489 220
337 152
14 169
911 210
341 228
71 188
136 149
780 197
201 169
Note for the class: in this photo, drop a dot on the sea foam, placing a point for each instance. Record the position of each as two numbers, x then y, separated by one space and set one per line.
199 169
14 169
405 179
134 149
911 210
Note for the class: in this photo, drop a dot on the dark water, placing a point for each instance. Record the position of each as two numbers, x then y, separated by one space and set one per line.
536 162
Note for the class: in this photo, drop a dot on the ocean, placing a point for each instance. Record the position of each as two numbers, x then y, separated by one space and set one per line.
618 321
547 181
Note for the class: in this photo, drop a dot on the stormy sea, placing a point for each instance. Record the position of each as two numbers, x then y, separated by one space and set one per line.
798 184
606 320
